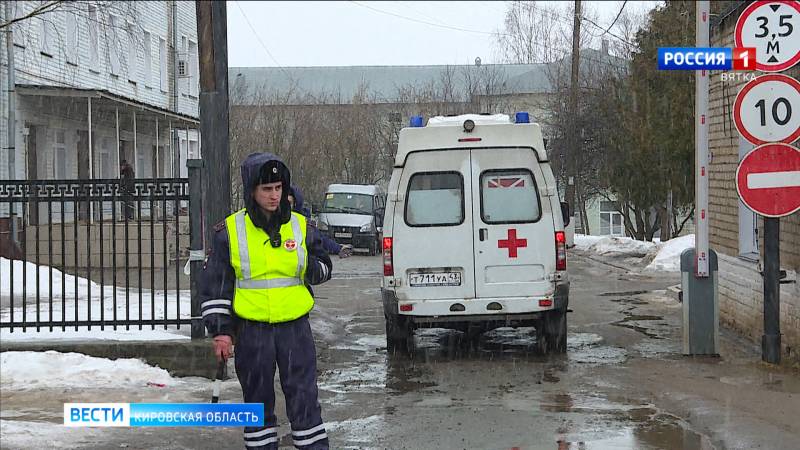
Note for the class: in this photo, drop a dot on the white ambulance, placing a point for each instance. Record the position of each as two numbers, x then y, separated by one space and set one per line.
474 231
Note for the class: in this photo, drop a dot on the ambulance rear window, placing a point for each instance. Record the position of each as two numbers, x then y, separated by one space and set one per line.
509 196
435 199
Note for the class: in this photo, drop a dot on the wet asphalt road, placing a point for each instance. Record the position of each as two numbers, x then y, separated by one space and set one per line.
622 384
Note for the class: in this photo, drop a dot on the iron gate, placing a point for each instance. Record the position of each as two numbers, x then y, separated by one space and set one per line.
95 254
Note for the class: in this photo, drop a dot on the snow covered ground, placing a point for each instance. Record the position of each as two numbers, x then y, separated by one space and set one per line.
655 256
84 303
48 370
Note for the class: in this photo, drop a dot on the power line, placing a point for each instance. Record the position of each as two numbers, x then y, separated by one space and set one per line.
592 22
448 27
616 18
258 38
408 5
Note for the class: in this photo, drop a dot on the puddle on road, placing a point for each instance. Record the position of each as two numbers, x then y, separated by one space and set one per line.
622 294
357 431
643 323
660 349
595 422
629 301
364 377
585 348
655 436
621 425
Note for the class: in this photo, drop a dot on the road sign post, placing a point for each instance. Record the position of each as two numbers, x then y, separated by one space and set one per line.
768 182
771 340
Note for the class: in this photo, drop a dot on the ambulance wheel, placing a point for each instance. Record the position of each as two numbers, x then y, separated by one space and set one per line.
554 332
399 335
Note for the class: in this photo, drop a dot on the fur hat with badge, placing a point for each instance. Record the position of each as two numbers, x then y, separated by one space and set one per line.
262 168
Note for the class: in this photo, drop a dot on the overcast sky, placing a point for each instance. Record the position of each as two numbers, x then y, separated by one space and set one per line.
376 33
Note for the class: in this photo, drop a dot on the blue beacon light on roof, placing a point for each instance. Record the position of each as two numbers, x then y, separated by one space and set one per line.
522 117
416 122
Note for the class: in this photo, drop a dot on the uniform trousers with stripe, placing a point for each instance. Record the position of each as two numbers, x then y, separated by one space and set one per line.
290 345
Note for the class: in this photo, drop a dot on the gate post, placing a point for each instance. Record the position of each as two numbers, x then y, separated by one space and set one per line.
196 249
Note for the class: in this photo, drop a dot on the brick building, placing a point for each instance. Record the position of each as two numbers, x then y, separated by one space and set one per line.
736 232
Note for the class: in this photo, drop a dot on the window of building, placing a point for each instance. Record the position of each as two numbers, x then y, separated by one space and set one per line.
133 56
105 165
194 150
194 81
162 63
611 222
509 196
140 164
148 58
71 21
45 35
113 45
60 150
17 10
94 45
435 199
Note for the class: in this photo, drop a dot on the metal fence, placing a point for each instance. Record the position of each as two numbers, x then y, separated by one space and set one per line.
94 254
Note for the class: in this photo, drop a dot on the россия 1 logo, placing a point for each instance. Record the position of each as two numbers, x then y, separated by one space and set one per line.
708 58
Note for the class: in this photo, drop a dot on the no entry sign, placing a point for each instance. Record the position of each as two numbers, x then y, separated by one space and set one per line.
768 180
767 109
773 28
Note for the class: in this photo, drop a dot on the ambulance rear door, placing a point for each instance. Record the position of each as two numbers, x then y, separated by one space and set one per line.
513 225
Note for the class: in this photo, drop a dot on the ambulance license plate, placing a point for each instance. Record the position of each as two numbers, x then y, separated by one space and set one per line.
435 279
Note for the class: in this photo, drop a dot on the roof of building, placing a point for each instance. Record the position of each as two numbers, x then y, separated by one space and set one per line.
345 82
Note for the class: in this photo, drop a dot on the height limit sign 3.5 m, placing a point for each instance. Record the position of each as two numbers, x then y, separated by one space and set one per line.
772 27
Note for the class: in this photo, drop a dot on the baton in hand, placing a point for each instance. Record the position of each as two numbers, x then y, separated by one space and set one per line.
217 380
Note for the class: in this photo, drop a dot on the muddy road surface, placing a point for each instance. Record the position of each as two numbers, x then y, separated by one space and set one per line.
622 384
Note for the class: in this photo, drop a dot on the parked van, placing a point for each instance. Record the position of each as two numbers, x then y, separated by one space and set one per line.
474 231
353 214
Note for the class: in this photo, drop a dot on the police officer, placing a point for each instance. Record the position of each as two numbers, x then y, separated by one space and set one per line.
255 286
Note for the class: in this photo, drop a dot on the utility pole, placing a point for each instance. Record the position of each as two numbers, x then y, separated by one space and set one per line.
574 149
212 37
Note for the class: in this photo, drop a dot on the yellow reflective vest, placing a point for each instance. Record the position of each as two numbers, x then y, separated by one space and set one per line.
270 283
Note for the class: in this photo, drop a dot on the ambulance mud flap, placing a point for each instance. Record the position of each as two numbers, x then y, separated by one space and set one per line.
561 296
389 302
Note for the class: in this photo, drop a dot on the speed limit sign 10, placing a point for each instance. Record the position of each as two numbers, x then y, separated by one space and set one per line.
767 109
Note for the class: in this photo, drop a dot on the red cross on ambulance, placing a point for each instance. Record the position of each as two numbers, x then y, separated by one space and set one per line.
512 243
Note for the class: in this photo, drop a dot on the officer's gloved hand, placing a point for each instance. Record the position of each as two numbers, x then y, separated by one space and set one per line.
346 251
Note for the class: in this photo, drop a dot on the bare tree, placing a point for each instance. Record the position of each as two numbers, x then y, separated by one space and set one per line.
326 138
41 9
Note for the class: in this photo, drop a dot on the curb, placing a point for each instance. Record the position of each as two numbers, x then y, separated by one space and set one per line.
180 358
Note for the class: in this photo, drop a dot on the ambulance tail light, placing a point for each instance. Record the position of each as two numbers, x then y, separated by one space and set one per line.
388 267
561 250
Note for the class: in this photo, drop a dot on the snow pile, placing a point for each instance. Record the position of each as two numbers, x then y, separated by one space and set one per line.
84 304
38 370
584 241
668 258
44 280
621 246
